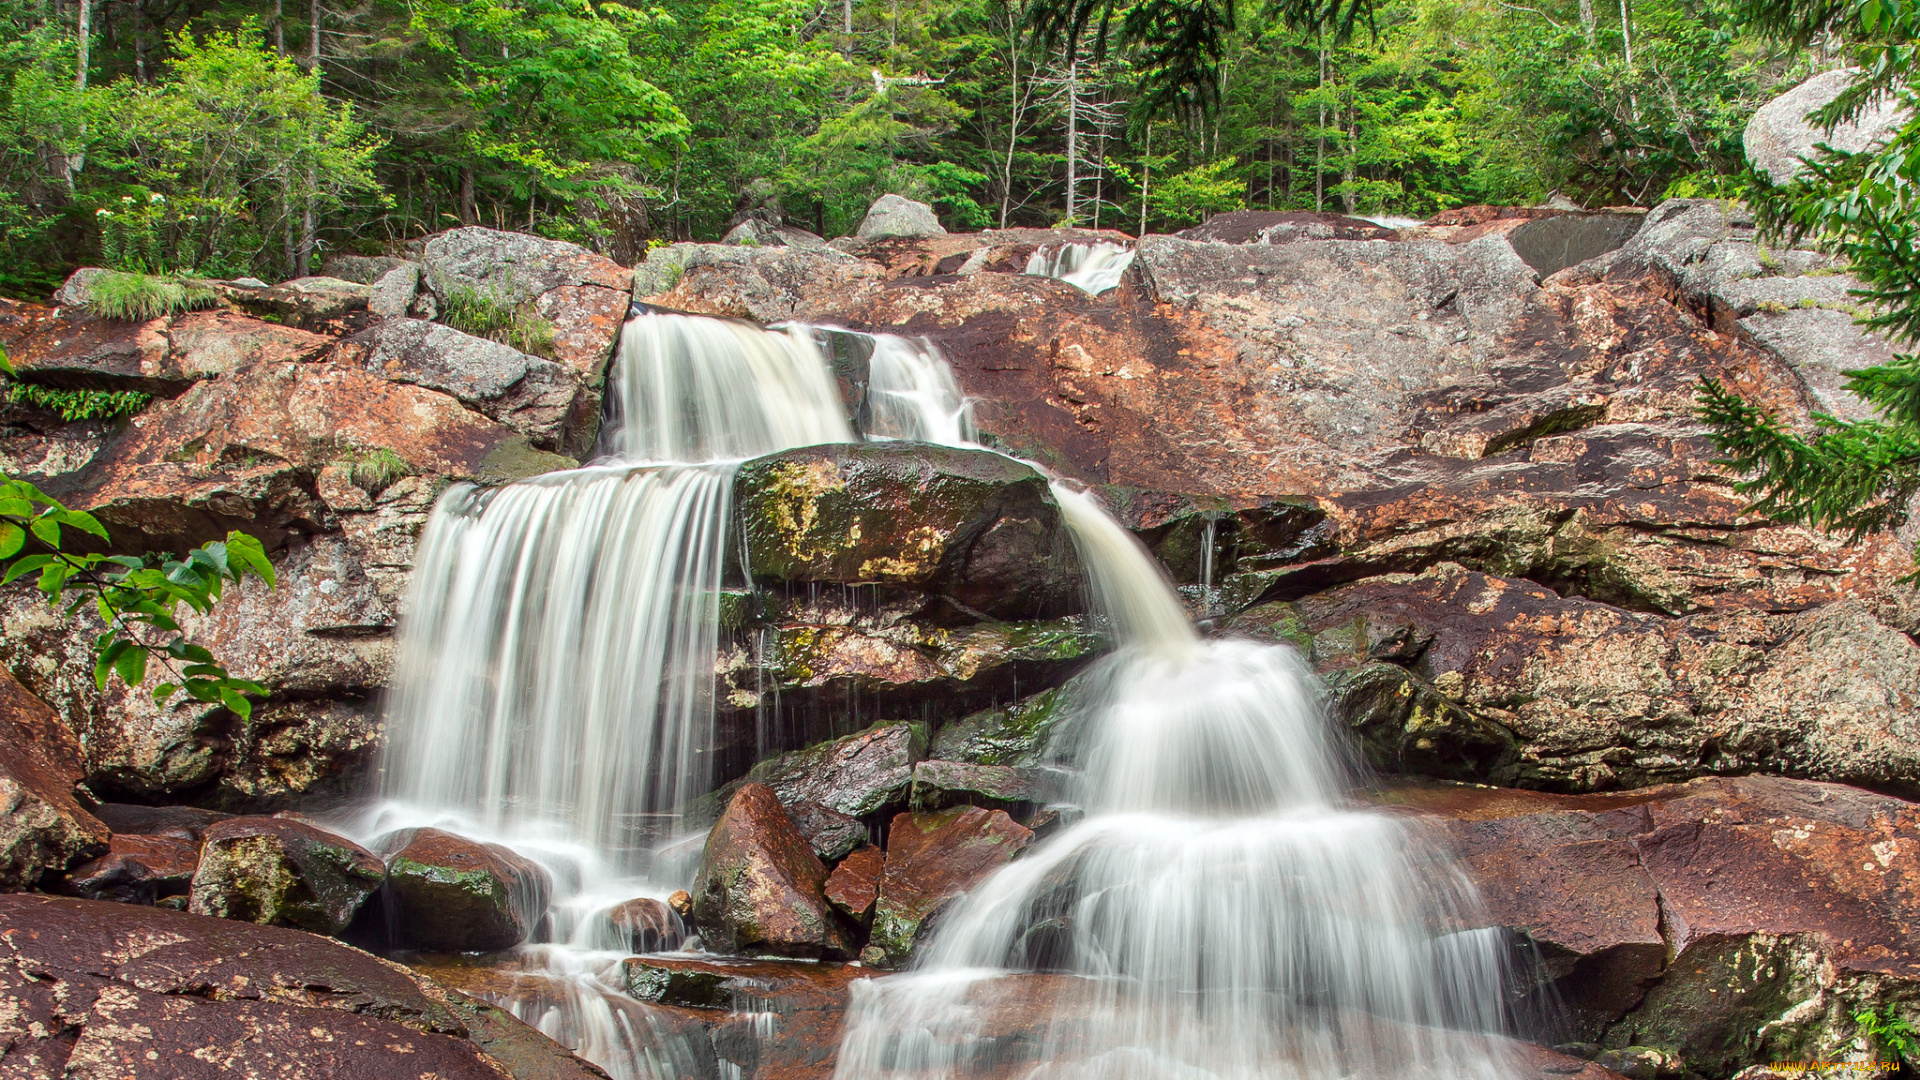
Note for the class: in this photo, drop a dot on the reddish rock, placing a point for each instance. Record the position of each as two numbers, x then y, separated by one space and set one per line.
760 885
771 1020
830 833
586 323
91 989
44 829
646 925
446 893
137 870
162 356
932 858
283 872
175 822
1727 920
855 884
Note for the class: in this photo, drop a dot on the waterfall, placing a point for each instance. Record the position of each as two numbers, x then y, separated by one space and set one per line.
1094 268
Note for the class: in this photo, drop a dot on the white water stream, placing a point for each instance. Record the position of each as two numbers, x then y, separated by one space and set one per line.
1094 268
1221 911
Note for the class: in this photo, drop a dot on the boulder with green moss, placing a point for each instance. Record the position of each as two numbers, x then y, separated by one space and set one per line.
446 893
282 872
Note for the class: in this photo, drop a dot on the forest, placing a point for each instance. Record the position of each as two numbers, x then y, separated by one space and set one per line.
238 137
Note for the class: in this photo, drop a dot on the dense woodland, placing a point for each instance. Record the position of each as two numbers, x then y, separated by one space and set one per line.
250 137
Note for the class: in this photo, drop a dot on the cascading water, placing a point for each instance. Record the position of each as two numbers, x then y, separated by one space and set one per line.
1094 268
1220 911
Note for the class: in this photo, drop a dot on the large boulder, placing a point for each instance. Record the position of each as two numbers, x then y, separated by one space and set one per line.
975 526
1723 921
44 828
1779 136
766 283
137 869
932 858
96 990
446 893
282 872
858 775
760 889
583 296
1552 244
72 349
897 215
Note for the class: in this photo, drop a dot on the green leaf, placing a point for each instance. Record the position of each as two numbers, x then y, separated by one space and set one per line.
252 555
132 666
22 567
241 706
12 539
164 691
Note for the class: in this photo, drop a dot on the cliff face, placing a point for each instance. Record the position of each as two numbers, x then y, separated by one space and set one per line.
1476 500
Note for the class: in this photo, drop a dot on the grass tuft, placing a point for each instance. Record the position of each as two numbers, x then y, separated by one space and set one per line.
374 471
516 325
138 297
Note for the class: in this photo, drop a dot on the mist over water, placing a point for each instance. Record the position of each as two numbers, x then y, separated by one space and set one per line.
1221 910
1093 268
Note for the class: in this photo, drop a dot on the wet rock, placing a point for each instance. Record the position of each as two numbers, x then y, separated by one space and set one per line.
117 990
543 400
137 869
858 775
177 822
970 525
1016 734
646 925
44 828
895 215
1722 921
583 295
932 858
446 893
854 885
759 890
72 349
1406 726
393 292
762 1019
938 785
1780 135
830 833
1282 227
281 872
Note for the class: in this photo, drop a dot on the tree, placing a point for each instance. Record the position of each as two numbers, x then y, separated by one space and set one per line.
1850 476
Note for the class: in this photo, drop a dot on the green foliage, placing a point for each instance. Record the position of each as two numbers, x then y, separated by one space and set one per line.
374 471
137 297
1891 1033
1196 194
73 405
518 325
137 598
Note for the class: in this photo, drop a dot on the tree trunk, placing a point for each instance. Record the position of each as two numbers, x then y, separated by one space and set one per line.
1013 125
1586 20
1146 177
1073 135
469 212
83 44
280 27
1320 142
1347 194
1626 32
139 42
846 26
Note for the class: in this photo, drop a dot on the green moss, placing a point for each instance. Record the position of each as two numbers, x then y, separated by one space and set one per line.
1017 734
114 294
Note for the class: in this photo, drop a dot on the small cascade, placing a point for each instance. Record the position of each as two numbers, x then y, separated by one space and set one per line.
1094 268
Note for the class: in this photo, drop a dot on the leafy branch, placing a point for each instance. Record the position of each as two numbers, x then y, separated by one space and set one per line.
137 597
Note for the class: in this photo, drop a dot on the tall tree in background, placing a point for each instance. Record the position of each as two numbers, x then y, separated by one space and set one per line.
1861 476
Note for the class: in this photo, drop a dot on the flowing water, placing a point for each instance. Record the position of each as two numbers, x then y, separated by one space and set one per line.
1094 268
1221 910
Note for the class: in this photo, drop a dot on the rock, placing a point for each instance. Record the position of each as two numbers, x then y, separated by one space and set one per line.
896 215
859 775
77 290
1780 135
177 822
1594 697
932 858
763 1019
967 524
938 785
95 989
361 269
647 925
281 872
1405 726
855 884
322 304
765 284
446 893
137 870
1551 244
1016 734
759 889
393 292
1722 921
545 401
830 833
754 232
44 828
160 356
1277 227
583 295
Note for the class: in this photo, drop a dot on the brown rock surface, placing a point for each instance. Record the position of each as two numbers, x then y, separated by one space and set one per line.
137 869
446 893
69 348
855 884
932 858
44 828
760 886
112 990
645 924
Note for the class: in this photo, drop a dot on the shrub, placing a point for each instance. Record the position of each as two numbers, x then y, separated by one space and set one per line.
137 297
485 316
